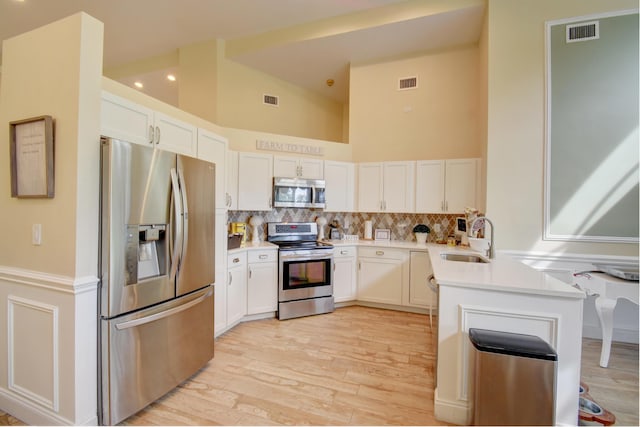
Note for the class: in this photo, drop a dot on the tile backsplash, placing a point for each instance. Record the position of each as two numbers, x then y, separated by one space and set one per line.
400 224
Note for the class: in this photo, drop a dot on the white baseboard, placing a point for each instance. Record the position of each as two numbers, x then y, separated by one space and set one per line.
619 334
455 412
30 413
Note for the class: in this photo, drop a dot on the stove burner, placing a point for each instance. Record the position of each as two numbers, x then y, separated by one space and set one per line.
284 246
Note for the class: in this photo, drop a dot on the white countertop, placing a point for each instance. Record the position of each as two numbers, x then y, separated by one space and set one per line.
502 273
250 246
399 244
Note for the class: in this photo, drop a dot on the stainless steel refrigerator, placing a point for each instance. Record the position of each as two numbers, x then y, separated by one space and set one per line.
157 272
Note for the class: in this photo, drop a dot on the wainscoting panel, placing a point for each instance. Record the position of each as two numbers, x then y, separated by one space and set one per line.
33 340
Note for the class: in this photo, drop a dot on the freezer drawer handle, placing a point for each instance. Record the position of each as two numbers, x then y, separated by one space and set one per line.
163 314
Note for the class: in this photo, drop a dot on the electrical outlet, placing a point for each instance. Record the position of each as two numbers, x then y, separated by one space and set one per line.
36 234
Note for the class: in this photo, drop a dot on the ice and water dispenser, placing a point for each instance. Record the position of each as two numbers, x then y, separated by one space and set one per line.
146 253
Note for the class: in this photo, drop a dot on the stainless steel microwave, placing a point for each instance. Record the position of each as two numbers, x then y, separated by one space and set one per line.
298 193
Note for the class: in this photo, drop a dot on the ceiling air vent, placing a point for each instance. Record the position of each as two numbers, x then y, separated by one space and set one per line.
583 31
407 83
270 100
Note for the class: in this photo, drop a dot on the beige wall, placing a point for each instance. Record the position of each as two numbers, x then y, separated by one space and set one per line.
516 126
68 91
230 94
438 120
49 374
199 75
301 112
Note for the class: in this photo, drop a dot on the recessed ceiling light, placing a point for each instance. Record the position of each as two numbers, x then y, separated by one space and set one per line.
171 77
139 85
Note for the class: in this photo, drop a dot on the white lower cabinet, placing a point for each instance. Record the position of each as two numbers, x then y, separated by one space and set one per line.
344 273
382 273
236 287
420 295
262 281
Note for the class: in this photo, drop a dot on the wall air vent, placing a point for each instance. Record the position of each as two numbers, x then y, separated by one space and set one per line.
407 83
270 100
583 31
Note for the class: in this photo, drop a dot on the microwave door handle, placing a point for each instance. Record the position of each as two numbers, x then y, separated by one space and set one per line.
177 223
313 195
185 216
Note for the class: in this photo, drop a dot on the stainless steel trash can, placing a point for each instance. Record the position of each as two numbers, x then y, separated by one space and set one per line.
513 379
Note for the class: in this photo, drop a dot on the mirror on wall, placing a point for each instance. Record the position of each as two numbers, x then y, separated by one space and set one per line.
591 165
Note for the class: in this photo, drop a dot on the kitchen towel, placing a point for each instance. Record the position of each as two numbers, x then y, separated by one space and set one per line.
368 229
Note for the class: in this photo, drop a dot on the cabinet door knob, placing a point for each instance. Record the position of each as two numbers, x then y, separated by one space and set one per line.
230 278
263 256
344 252
379 252
236 260
157 135
151 134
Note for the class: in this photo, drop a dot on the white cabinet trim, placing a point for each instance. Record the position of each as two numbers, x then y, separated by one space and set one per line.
53 282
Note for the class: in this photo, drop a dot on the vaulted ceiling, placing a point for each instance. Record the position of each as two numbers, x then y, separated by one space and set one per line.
304 42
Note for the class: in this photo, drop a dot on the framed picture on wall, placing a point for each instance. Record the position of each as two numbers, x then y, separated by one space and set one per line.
31 153
383 234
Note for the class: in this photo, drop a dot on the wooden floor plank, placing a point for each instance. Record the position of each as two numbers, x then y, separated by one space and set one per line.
355 366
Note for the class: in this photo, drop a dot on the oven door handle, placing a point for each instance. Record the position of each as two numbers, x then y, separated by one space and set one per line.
305 257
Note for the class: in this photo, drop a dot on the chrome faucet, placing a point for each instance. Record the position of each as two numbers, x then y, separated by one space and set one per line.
490 251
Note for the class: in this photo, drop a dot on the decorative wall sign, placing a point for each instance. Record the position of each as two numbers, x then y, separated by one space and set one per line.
287 147
31 151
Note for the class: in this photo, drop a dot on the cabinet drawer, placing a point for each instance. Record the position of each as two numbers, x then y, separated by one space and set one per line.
342 251
398 254
263 256
234 260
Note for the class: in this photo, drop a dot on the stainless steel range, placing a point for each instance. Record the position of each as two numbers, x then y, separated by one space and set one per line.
305 269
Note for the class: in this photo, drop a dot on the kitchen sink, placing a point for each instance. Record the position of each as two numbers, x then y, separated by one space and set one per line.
464 258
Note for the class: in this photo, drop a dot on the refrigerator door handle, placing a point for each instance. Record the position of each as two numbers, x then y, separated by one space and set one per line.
177 244
157 316
185 215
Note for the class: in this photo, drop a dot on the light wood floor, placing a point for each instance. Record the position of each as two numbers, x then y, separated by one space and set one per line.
356 366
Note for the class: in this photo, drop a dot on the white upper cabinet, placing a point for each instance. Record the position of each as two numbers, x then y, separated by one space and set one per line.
297 167
430 186
255 181
461 184
370 177
447 186
232 180
340 186
213 148
126 120
175 135
399 186
386 187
